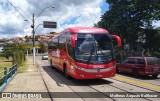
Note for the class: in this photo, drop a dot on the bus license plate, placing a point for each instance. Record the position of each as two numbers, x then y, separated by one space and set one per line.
98 75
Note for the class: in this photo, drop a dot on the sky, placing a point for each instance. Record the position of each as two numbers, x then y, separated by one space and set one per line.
16 15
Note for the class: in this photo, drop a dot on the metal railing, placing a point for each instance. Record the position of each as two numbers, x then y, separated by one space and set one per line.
7 76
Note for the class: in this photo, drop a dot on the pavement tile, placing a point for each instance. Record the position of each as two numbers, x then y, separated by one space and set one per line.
30 81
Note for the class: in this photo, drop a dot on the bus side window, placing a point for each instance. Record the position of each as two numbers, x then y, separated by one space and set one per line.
62 42
55 43
68 41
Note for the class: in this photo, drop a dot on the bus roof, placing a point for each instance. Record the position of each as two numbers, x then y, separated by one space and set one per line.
86 30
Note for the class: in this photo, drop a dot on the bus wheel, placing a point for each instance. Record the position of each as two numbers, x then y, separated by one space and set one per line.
155 76
65 72
51 64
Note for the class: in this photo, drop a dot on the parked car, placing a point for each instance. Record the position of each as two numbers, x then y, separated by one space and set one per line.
140 66
44 56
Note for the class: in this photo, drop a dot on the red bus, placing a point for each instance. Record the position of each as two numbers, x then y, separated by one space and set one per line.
83 53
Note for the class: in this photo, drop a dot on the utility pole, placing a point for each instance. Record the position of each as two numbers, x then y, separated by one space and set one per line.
33 40
33 31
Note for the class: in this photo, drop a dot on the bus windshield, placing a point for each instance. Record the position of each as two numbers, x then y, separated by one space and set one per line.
94 48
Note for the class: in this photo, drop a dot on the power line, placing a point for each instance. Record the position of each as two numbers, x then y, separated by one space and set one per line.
42 11
15 15
17 10
23 11
51 6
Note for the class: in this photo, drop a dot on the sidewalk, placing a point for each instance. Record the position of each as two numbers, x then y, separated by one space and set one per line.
30 81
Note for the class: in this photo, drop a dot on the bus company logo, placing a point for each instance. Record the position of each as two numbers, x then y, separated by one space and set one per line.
56 53
6 95
98 66
90 30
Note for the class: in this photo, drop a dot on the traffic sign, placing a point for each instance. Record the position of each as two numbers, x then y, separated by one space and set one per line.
48 24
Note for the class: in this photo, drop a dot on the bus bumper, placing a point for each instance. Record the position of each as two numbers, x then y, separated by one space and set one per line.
95 73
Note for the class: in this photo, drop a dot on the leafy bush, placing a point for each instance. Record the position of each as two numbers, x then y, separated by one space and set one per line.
18 57
157 54
17 52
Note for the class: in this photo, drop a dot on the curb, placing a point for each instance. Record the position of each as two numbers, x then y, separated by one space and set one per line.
44 82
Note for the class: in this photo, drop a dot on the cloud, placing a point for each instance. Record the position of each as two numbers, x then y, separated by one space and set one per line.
156 24
65 12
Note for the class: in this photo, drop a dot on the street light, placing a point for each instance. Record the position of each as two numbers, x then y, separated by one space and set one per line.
33 31
43 10
27 39
38 26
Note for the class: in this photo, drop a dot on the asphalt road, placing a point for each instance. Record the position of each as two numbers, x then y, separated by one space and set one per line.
96 89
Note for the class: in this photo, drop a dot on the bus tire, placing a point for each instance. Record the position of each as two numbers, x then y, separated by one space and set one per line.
65 72
51 64
155 76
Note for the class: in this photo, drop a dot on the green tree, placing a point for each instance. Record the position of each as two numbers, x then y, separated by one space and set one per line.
27 38
52 32
16 51
43 47
127 18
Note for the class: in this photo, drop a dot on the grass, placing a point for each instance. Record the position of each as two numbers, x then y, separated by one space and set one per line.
5 63
30 54
8 63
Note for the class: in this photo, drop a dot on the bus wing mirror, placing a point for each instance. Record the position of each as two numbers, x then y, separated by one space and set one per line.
118 40
73 43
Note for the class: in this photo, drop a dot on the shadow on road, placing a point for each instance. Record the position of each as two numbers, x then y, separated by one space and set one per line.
57 75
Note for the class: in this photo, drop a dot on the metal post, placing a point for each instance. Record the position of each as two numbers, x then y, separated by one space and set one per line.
27 53
33 41
34 32
5 75
15 69
10 70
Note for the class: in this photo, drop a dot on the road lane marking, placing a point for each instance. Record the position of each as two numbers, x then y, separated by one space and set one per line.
137 83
